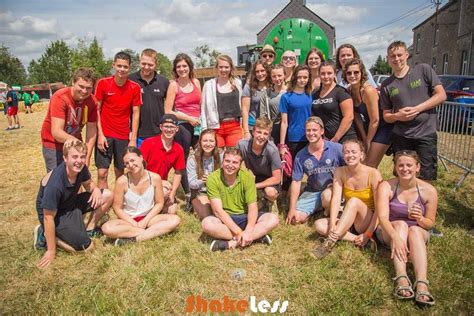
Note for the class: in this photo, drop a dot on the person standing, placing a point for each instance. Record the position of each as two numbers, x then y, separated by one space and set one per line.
12 109
69 110
153 89
119 100
27 100
34 98
409 98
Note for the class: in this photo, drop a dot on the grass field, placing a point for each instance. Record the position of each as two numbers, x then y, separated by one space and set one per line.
156 277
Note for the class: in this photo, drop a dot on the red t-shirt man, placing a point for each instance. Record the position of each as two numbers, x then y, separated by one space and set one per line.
116 106
159 160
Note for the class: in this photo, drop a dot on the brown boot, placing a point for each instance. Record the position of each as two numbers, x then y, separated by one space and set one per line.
324 249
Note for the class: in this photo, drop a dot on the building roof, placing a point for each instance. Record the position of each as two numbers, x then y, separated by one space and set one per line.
303 4
446 6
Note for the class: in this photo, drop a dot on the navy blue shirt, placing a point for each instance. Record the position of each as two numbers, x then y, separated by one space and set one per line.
320 172
298 108
59 194
153 107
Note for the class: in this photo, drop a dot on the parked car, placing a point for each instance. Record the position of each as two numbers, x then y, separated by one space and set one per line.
460 89
379 79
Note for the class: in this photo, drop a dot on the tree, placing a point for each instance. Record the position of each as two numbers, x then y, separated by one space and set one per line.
91 56
164 65
53 66
12 70
205 56
381 67
135 66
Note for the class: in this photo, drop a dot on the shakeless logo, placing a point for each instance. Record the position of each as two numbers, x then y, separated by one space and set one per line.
197 304
415 84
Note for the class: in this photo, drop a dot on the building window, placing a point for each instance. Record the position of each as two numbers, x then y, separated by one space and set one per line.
433 64
436 35
418 38
445 64
464 63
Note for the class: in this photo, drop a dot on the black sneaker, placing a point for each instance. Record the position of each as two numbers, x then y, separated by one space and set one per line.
266 240
435 232
188 207
39 241
219 245
124 241
95 233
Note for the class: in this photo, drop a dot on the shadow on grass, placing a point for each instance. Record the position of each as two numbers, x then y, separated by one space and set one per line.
456 213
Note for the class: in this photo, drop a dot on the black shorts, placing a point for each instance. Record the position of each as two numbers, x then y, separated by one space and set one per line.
241 219
115 151
70 226
383 134
427 150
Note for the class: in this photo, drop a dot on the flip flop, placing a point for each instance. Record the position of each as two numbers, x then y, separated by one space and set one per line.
419 294
399 288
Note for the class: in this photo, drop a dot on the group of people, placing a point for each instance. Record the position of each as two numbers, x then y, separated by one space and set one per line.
321 120
10 99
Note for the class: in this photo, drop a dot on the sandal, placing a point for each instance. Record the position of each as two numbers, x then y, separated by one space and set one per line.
399 288
418 294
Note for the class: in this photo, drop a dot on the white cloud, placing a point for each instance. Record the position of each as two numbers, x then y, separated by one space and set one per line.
338 14
155 30
30 25
185 11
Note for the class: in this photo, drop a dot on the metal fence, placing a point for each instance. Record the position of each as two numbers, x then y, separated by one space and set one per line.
455 136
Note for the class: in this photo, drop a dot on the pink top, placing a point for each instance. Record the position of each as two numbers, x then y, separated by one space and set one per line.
188 103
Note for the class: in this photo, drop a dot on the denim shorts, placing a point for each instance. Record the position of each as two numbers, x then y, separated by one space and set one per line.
309 202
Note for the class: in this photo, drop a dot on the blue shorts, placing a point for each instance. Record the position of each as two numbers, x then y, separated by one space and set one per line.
309 202
241 219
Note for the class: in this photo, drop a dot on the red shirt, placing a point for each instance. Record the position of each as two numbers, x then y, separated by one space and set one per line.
159 160
117 103
75 116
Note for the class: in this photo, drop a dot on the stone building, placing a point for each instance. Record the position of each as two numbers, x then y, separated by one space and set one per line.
445 39
294 9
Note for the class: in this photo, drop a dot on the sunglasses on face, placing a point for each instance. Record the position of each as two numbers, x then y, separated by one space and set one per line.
267 56
289 58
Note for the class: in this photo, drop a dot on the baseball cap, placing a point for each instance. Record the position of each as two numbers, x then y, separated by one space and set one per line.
169 118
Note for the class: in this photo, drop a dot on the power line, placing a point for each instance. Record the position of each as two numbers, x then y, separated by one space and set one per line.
401 17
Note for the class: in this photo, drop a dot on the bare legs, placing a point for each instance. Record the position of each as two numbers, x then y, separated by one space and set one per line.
159 225
416 238
375 154
202 206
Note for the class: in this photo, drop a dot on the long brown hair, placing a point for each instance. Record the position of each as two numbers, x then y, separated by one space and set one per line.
356 62
294 79
199 154
253 78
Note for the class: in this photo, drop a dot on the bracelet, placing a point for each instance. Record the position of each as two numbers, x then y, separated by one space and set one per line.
368 234
281 145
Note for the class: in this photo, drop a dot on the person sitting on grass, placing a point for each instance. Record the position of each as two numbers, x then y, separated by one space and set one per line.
318 161
262 158
60 207
357 183
138 201
206 159
162 153
406 208
233 195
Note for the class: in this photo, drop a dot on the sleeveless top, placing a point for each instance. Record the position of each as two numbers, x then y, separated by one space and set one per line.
364 113
188 102
366 195
139 205
399 210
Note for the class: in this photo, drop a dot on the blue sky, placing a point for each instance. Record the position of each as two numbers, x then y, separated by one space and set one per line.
175 26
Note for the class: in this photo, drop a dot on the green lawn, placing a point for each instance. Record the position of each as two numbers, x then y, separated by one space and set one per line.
156 277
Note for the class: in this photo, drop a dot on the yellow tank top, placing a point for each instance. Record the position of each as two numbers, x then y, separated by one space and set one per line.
366 195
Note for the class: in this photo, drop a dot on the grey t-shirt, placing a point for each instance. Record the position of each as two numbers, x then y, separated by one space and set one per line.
254 103
416 87
261 165
270 101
